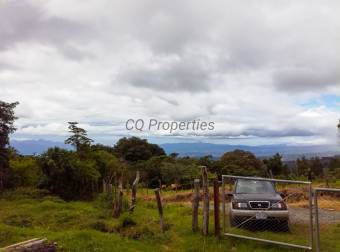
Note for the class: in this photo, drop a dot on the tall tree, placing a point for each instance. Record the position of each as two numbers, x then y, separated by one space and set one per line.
134 149
275 165
316 167
79 138
7 118
303 167
239 162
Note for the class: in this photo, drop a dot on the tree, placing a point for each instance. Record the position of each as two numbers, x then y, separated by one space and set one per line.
275 165
303 168
67 175
108 165
316 167
134 149
334 167
24 171
79 138
7 119
244 163
174 155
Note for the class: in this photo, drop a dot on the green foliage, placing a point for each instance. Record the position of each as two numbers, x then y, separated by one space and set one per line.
134 149
179 173
7 119
169 170
303 167
67 175
108 165
316 167
334 168
275 166
24 171
242 163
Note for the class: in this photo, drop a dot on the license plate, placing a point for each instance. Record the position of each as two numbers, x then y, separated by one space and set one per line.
261 216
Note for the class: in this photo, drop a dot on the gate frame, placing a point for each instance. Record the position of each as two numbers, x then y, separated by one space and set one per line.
316 192
310 191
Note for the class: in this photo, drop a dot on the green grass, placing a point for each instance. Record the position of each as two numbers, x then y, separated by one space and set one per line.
88 226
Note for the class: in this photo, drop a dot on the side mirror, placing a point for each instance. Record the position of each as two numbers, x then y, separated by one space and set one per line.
230 194
283 195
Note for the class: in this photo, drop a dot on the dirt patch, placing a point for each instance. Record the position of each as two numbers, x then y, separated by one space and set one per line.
326 203
179 197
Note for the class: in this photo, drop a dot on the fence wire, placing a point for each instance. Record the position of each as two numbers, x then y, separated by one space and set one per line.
268 210
327 218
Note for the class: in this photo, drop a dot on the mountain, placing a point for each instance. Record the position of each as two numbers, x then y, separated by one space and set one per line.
289 152
31 147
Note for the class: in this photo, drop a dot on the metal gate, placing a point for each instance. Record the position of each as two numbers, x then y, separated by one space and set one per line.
327 217
274 211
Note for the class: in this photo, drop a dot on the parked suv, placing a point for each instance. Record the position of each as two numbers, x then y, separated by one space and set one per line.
256 201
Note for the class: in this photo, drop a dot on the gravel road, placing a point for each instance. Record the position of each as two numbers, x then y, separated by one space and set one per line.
301 215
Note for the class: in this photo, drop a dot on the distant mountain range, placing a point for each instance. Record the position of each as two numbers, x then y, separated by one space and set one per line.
30 147
289 152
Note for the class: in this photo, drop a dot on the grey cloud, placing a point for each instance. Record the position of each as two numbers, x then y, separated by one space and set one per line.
7 66
185 75
302 79
290 132
22 22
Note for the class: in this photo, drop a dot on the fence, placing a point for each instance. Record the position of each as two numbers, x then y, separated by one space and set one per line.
254 209
327 215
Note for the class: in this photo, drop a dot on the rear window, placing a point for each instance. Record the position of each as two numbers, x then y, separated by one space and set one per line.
254 186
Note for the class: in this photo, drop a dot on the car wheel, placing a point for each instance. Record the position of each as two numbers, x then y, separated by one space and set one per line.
284 226
233 222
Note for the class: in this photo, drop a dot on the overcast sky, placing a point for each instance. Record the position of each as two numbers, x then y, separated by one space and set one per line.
264 71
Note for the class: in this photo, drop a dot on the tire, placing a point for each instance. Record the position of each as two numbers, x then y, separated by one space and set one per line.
284 226
233 222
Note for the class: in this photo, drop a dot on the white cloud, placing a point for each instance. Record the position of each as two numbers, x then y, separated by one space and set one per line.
246 66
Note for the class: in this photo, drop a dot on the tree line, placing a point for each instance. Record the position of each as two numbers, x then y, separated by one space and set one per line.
80 173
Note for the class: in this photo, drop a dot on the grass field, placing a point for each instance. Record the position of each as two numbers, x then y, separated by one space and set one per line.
88 226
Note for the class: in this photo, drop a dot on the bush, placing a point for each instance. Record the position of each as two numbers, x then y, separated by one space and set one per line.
68 175
24 171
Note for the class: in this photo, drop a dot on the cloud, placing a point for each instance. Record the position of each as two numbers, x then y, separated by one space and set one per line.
174 74
246 66
301 79
21 21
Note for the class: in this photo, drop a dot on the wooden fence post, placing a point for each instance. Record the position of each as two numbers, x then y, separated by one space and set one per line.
195 204
205 185
134 192
104 186
217 208
119 198
160 184
160 209
109 193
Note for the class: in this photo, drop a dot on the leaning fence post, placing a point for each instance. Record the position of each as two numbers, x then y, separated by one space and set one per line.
134 192
195 204
119 198
217 208
205 226
160 209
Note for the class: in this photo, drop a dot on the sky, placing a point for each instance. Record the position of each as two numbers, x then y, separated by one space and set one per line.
265 72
